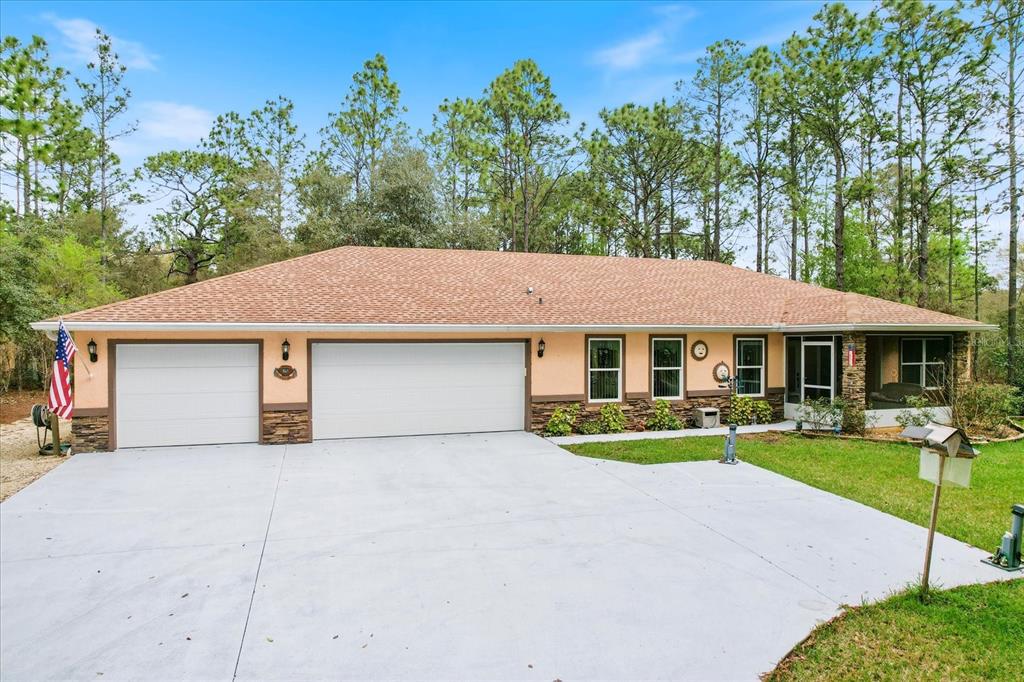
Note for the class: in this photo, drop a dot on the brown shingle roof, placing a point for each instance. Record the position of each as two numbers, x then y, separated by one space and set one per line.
364 285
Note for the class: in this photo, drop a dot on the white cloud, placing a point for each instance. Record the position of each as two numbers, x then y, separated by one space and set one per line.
163 126
631 53
80 36
179 123
649 47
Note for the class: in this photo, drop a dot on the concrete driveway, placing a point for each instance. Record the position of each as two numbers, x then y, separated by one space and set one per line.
483 557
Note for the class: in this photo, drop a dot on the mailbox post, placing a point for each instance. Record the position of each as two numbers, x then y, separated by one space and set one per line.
946 457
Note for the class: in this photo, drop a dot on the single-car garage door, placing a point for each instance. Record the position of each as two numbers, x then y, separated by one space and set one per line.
396 389
186 394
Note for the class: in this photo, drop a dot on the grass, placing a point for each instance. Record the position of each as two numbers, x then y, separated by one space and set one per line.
880 475
967 633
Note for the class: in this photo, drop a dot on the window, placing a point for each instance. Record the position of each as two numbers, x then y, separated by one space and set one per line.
667 368
750 366
604 370
923 362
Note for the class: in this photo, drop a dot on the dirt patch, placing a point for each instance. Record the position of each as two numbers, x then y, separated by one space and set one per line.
15 405
766 437
20 461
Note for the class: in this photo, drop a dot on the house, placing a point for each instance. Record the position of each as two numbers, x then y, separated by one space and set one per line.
360 341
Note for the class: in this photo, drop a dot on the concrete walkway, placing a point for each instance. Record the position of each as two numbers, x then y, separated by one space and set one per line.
495 556
787 425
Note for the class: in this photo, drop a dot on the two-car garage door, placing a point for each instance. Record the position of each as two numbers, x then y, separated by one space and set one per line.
393 389
203 393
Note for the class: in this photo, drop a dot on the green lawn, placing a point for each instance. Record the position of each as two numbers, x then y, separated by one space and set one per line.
880 475
967 633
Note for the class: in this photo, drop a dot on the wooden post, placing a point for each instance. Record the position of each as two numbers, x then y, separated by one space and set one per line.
55 429
931 529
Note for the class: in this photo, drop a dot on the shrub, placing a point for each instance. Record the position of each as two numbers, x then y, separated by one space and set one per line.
744 410
984 407
589 427
562 420
741 410
663 418
820 413
611 419
919 412
763 411
851 415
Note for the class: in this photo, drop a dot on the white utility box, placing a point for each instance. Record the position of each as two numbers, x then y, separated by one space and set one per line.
705 417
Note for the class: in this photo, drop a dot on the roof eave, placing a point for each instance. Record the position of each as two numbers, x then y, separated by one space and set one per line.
113 326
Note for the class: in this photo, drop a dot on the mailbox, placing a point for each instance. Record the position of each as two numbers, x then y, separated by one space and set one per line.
945 450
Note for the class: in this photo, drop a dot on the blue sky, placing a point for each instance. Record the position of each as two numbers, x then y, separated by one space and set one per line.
189 61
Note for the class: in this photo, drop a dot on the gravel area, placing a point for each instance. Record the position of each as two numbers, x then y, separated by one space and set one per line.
20 461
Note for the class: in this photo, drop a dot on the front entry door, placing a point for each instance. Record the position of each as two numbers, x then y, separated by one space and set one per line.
818 370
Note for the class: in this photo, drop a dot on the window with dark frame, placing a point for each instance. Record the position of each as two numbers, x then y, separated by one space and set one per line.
923 362
750 367
604 370
667 368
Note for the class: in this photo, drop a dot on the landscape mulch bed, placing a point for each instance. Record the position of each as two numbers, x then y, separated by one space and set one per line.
15 405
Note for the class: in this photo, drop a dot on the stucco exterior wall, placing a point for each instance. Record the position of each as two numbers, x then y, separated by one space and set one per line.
560 374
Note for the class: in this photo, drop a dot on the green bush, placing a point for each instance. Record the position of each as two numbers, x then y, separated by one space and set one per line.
663 419
562 420
852 416
918 413
611 419
744 409
821 413
590 427
763 411
741 410
983 407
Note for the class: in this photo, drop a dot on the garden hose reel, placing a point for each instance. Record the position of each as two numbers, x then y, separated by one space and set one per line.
41 419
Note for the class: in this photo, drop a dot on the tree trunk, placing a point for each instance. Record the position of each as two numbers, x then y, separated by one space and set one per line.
949 256
924 219
760 224
899 231
840 222
977 292
1011 121
794 219
716 253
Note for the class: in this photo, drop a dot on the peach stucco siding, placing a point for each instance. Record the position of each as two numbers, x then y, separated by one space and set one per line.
561 372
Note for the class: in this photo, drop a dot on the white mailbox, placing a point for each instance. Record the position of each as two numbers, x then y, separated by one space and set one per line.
945 450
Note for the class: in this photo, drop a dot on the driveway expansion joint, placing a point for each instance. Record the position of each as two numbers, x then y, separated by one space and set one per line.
259 564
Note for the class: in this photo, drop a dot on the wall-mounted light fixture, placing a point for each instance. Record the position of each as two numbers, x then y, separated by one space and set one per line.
91 346
285 347
540 348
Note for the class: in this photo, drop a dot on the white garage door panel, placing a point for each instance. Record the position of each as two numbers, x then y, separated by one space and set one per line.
389 389
187 394
182 381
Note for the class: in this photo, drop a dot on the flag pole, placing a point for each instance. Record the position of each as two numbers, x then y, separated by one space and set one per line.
60 321
55 429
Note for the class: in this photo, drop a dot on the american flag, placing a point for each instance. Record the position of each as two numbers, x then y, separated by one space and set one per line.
60 381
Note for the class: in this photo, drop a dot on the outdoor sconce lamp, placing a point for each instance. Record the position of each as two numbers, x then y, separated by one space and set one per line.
540 348
285 347
92 350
